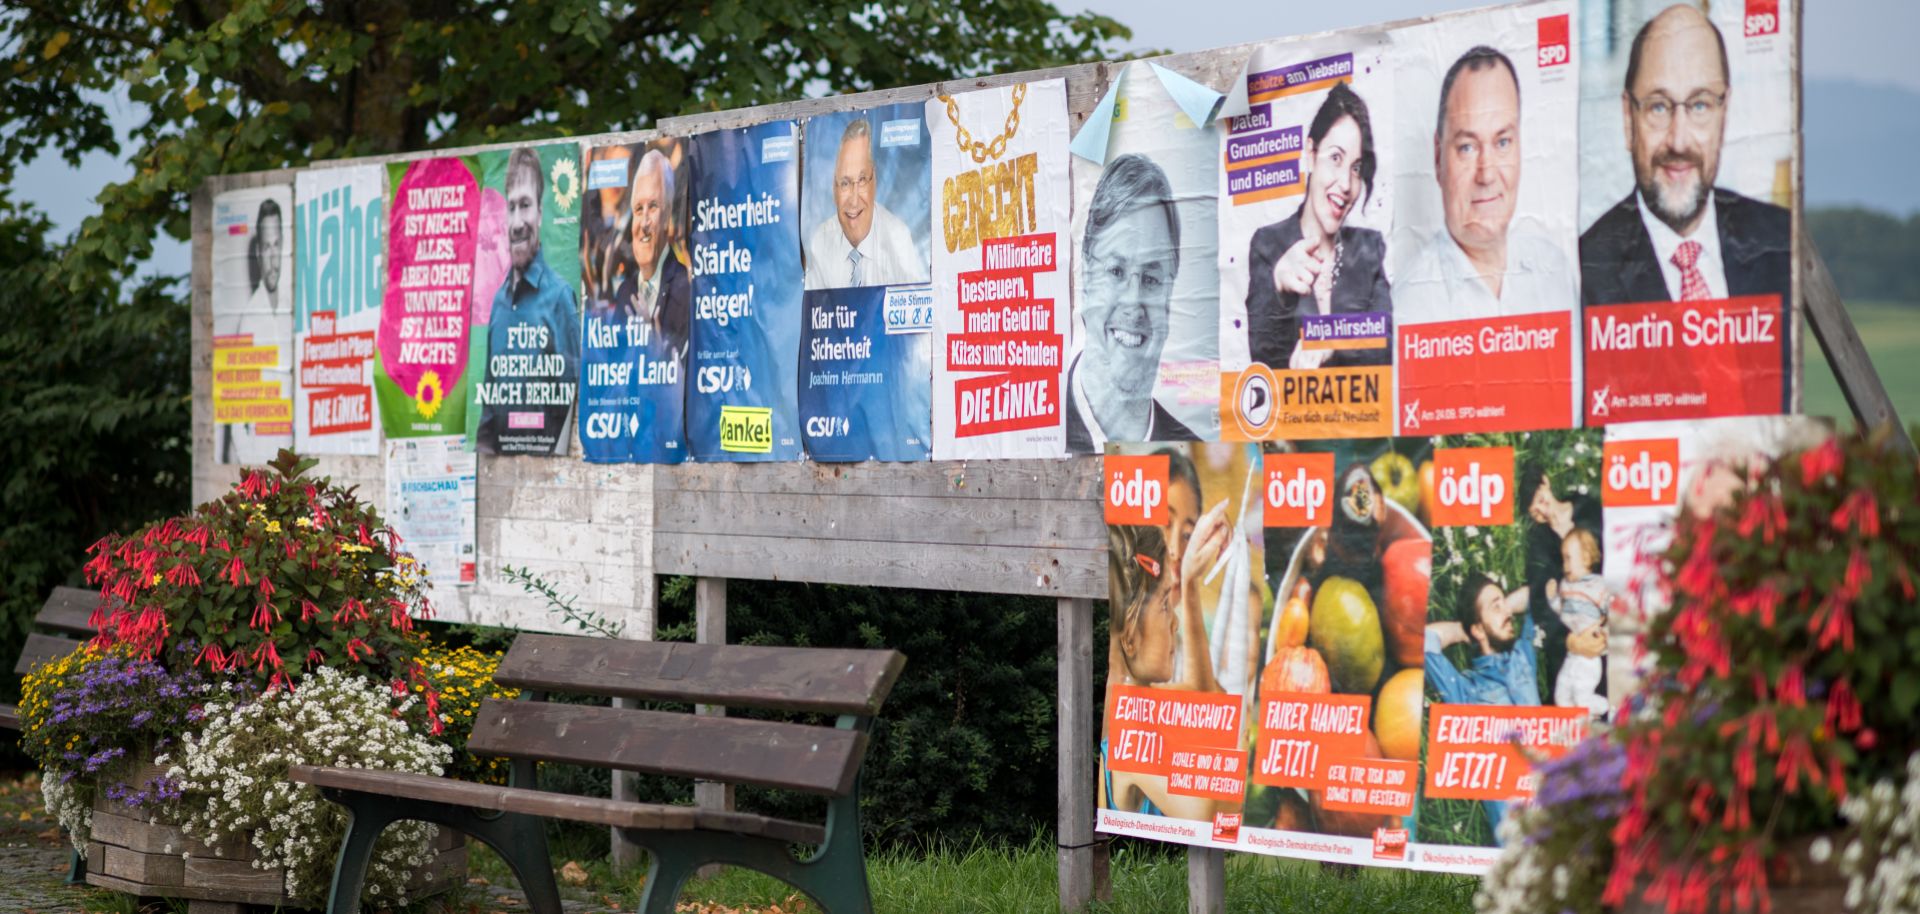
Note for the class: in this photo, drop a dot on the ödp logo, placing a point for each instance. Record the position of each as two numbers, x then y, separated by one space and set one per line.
1136 489
1640 473
1763 18
1474 485
1389 844
1226 827
1299 490
1554 48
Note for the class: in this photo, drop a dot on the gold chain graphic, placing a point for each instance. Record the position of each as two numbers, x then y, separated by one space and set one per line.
981 152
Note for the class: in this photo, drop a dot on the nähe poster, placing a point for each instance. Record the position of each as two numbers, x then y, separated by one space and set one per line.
340 263
252 323
432 226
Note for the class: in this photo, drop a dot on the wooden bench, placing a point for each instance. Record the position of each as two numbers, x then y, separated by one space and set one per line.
825 760
64 626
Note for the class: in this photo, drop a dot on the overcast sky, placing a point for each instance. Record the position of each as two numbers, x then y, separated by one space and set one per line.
1858 40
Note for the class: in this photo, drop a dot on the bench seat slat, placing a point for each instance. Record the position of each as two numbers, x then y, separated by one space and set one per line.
67 610
9 717
822 680
616 813
821 760
42 648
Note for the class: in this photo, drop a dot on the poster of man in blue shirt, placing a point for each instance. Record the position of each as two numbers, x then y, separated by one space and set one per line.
533 339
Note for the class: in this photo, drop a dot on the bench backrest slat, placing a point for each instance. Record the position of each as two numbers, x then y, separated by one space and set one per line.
67 610
822 680
821 760
42 648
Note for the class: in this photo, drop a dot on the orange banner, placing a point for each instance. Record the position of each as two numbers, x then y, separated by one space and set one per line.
1376 786
1474 751
1302 734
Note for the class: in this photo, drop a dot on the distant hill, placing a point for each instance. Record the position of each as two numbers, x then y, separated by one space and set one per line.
1860 143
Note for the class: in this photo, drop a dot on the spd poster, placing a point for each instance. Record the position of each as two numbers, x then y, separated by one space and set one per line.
1482 253
524 332
743 406
1002 255
252 323
1688 146
633 241
1307 194
340 264
432 225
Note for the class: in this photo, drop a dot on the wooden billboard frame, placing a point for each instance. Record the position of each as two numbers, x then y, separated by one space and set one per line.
1030 527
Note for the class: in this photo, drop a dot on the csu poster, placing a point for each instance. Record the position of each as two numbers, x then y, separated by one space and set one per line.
1002 256
743 405
432 226
525 325
341 253
252 323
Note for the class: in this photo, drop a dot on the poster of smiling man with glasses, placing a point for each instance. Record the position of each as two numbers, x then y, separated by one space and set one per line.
1687 278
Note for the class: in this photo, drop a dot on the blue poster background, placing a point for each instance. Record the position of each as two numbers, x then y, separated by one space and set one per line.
743 405
866 373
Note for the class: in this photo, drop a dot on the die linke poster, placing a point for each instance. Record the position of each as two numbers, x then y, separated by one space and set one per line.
252 324
743 406
1688 182
1001 260
432 225
340 271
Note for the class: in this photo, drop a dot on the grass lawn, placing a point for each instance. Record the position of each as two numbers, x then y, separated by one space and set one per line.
1892 333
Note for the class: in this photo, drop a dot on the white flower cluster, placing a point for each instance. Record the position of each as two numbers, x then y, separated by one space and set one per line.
1515 882
233 775
63 800
1887 821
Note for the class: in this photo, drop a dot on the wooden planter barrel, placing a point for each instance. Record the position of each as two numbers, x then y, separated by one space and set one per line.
130 854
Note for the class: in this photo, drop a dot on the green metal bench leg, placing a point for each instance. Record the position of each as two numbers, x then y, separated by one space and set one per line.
835 876
76 869
520 840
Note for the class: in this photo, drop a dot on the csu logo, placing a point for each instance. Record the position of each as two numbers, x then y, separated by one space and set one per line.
604 426
1554 47
827 426
1763 18
1298 490
1640 473
720 379
1474 485
1136 486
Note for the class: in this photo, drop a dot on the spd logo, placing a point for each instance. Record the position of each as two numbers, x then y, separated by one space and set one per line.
1554 47
1473 485
1389 844
1226 827
1640 473
1763 18
1136 486
1299 490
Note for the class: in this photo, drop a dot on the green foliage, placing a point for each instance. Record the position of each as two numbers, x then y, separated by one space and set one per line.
1869 253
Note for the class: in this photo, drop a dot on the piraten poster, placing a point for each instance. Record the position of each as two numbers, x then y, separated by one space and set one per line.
252 323
432 225
743 405
1002 257
524 334
340 265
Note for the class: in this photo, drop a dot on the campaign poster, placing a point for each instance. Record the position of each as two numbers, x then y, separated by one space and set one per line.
1688 182
866 209
431 492
1306 181
744 405
433 222
524 329
863 374
639 295
1515 642
1482 257
252 323
1145 362
1001 261
1338 712
1658 475
1183 553
340 240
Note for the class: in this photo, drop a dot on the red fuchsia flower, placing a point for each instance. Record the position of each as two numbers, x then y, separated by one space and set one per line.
1750 879
197 536
1861 509
237 573
1739 812
356 647
308 610
1859 573
399 688
397 616
1700 576
213 657
1836 775
1906 581
279 681
1795 760
365 540
1793 686
1843 708
1765 514
1764 600
350 611
433 713
315 658
183 574
264 655
266 587
263 617
1822 462
1833 622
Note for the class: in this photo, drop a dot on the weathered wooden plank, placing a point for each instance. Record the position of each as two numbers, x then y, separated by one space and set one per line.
134 866
146 837
821 680
1045 524
189 892
67 610
971 569
42 648
808 107
1206 880
820 760
1074 825
1071 479
1852 366
710 628
232 877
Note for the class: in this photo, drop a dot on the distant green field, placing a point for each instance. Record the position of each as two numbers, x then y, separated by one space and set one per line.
1892 334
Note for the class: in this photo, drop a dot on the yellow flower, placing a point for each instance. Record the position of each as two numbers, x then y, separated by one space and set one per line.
304 522
273 526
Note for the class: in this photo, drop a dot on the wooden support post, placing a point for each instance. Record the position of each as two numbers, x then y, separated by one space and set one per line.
1827 317
1075 826
626 854
710 627
1206 880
